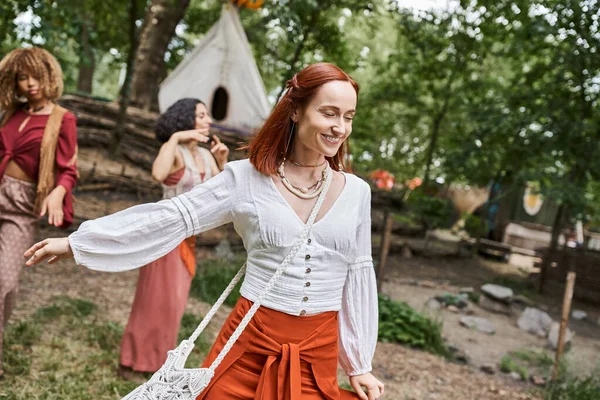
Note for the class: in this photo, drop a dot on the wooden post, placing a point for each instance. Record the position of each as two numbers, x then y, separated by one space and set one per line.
386 237
566 311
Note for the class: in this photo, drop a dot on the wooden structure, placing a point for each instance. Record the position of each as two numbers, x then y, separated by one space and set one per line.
586 263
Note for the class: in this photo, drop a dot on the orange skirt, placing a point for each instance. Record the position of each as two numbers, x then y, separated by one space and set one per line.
277 357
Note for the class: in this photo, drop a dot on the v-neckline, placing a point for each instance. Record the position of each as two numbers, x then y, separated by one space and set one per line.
291 209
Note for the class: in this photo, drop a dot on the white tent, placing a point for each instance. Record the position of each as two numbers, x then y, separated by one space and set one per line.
221 72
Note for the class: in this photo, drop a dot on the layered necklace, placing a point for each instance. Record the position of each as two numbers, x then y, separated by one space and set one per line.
305 193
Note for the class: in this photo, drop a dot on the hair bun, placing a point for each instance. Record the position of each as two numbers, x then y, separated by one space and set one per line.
292 83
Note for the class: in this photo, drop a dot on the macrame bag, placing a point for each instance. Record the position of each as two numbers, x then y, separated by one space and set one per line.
175 382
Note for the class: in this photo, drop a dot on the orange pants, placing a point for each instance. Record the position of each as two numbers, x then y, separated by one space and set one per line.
277 357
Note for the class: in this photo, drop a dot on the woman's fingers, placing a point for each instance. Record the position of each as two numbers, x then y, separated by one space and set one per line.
374 392
55 217
359 390
38 256
35 248
44 207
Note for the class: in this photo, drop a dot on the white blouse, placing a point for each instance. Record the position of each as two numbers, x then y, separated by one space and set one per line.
332 272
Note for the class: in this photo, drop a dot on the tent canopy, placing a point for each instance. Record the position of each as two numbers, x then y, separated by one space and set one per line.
221 72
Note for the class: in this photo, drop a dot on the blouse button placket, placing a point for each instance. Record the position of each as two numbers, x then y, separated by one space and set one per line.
306 284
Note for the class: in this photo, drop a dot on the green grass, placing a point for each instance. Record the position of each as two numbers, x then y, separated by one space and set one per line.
534 358
213 276
67 351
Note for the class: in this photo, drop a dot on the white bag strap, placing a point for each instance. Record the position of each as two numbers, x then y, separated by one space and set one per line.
288 258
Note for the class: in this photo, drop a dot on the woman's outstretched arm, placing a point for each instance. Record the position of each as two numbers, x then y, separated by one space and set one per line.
138 235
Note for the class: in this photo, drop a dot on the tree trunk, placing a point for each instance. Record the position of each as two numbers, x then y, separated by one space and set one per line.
556 230
159 27
87 62
125 93
435 134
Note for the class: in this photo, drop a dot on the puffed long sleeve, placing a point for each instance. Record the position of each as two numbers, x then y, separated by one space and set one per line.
138 235
358 317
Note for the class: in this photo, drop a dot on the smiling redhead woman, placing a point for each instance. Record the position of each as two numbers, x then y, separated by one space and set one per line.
323 308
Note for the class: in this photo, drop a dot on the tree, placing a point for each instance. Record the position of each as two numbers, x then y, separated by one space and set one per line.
288 35
162 17
125 94
91 28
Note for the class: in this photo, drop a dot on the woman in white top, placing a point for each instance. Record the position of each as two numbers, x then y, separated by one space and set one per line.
326 297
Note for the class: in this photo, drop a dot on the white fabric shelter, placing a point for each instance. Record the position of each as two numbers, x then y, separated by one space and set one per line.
221 72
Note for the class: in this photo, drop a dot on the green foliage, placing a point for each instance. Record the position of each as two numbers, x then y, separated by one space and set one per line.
473 226
449 299
474 297
534 358
574 389
433 212
508 365
399 323
213 276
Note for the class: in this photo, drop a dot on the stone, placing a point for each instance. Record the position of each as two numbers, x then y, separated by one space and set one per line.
458 356
427 284
433 304
579 315
515 375
553 336
494 306
497 292
522 300
489 368
481 324
535 321
453 309
537 380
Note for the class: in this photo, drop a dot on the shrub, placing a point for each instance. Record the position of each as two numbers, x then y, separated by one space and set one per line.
574 389
400 323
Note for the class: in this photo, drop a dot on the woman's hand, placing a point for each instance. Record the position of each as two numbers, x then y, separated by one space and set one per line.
220 151
373 385
53 205
53 249
199 135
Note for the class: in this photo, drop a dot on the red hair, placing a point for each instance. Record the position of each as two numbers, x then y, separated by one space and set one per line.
267 149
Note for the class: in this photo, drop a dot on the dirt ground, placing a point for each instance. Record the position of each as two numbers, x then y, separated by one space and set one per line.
409 374
418 279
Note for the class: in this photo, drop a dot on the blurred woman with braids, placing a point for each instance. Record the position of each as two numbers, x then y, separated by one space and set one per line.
164 284
38 146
